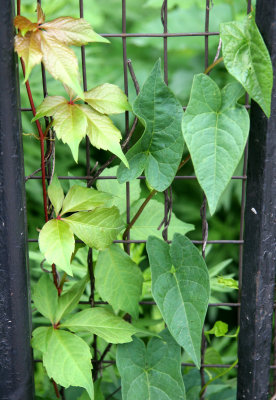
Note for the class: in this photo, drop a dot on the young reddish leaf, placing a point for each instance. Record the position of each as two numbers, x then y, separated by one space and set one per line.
70 126
40 14
107 99
60 61
72 31
49 106
102 133
28 47
24 25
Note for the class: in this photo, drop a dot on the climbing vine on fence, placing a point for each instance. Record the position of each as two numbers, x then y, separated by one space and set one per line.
214 128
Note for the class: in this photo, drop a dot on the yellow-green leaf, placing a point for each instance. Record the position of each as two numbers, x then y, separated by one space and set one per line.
49 107
107 99
29 48
72 31
61 62
56 242
56 195
45 297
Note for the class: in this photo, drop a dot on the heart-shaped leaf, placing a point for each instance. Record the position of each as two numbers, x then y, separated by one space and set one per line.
152 372
180 287
160 149
215 129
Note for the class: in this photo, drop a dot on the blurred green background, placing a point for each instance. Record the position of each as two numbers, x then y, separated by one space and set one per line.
104 63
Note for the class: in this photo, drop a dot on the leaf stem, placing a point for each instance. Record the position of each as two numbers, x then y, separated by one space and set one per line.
211 66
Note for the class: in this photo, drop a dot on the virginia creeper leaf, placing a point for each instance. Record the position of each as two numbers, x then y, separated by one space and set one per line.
24 24
83 199
40 14
246 58
119 280
180 287
40 338
149 221
56 194
97 228
215 129
29 48
68 361
152 372
45 297
102 133
69 300
72 31
49 106
102 323
56 242
107 99
160 148
60 61
117 190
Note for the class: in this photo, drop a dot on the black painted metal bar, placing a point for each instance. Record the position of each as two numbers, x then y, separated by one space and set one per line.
258 278
16 381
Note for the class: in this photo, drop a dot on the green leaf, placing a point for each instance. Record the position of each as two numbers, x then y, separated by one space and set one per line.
117 190
70 126
69 300
56 242
180 287
246 58
228 282
49 106
107 99
219 329
72 31
45 297
149 221
68 361
83 199
160 149
215 129
97 228
152 372
119 280
101 322
56 195
102 133
60 61
40 338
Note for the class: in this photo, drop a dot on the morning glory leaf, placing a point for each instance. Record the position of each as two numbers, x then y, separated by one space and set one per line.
246 58
97 228
152 372
56 194
68 360
107 99
101 322
180 287
160 148
56 242
45 297
119 280
215 129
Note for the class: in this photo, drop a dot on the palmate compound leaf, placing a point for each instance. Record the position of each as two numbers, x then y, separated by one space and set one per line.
97 228
152 372
56 242
45 297
180 287
101 322
246 58
215 129
72 122
160 148
119 280
56 194
67 360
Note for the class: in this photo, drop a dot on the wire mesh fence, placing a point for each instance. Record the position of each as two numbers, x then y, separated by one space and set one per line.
93 172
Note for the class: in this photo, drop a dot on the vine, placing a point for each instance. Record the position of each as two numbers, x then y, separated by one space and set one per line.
214 128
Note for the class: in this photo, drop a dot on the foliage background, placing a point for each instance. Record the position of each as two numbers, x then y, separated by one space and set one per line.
104 64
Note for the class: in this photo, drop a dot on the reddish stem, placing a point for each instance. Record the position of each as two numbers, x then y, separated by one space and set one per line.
56 388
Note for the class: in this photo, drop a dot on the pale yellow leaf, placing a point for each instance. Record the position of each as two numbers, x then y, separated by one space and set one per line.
72 31
40 14
60 61
29 48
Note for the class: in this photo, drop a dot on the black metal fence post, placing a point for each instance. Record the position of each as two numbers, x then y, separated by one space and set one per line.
16 381
258 277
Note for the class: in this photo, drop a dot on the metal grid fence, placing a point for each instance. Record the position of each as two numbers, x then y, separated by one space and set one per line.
92 173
